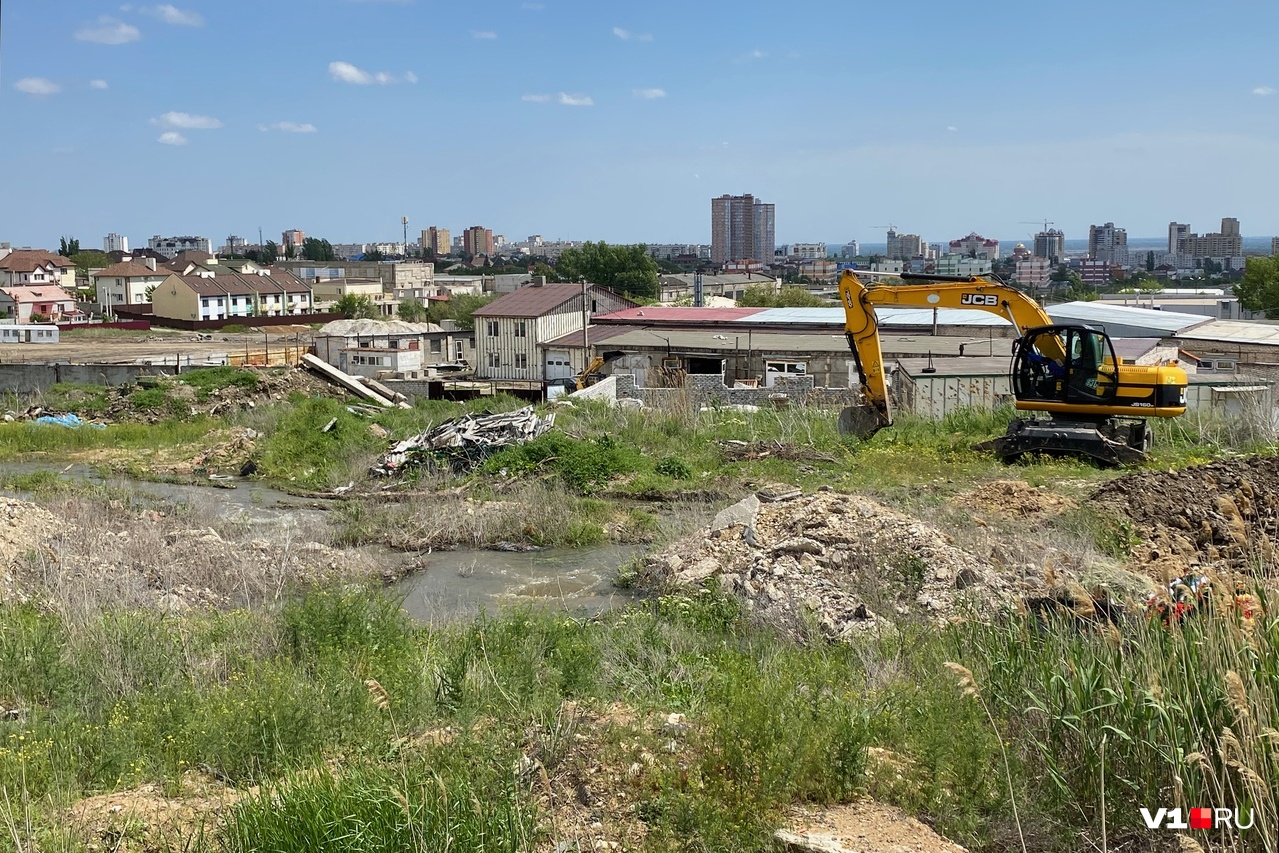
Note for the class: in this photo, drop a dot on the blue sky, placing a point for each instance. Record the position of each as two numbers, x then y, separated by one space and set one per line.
596 120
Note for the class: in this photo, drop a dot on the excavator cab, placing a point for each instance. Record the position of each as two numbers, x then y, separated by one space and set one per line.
1074 365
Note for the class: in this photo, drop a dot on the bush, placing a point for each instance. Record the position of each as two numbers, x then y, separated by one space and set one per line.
674 467
583 465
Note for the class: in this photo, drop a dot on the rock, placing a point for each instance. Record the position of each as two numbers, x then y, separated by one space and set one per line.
741 513
798 545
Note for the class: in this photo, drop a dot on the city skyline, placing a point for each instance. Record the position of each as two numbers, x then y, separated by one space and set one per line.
599 123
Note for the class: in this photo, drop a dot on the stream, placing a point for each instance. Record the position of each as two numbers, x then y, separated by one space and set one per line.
454 585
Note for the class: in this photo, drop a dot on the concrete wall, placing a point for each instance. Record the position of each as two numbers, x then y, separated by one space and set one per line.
709 389
30 378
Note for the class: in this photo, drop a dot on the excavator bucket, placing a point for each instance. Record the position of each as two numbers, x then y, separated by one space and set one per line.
861 421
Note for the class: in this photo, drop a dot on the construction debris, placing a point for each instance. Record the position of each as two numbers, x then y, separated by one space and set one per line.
355 384
464 442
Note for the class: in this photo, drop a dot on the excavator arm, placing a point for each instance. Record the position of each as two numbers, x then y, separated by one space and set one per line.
917 291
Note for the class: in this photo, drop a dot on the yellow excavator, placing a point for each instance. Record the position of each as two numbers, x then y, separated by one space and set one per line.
1097 404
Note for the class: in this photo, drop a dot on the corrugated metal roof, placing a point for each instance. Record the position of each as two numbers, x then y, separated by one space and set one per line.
1233 331
965 366
1161 323
832 318
535 301
650 314
729 339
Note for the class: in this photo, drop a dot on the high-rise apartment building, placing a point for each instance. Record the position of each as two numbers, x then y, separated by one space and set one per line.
742 228
1226 243
851 249
1108 243
293 237
1274 245
171 246
114 242
904 247
1050 244
436 240
477 240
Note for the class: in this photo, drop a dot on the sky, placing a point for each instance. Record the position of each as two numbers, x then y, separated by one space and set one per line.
581 119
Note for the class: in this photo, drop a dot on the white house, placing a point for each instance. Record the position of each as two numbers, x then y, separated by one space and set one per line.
25 267
509 331
127 282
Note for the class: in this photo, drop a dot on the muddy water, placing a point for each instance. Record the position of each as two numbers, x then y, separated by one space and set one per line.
451 585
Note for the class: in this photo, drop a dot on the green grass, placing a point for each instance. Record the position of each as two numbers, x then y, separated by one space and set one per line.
17 439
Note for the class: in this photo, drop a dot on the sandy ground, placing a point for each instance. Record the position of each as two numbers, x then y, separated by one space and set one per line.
156 345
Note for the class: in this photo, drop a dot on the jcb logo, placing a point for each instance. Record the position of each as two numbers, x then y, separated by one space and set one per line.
978 299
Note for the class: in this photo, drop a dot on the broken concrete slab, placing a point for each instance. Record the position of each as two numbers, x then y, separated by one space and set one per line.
741 513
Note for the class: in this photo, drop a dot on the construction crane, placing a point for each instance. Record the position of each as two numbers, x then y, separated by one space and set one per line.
1047 222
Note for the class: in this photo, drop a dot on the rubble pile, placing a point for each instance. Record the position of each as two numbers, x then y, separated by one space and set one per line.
463 442
1220 517
844 562
1012 498
24 529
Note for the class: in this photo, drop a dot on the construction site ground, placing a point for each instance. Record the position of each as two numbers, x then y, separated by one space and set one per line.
156 345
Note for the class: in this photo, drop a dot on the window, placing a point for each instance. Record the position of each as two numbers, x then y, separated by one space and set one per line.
520 330
459 352
494 360
492 328
521 361
435 345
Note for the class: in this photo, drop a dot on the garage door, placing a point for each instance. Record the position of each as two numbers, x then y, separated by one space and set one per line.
557 366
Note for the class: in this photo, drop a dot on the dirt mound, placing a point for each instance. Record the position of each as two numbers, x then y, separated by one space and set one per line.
144 819
1013 498
864 827
24 529
1222 517
843 560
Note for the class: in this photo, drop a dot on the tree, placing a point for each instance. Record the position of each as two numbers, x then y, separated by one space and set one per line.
543 269
762 296
290 251
374 254
90 259
355 307
626 269
68 246
270 252
460 308
150 291
412 310
1258 290
314 249
1150 261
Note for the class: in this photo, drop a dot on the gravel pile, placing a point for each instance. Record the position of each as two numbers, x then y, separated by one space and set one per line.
842 562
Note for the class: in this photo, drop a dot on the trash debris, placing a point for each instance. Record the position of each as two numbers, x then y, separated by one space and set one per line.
464 442
69 420
330 425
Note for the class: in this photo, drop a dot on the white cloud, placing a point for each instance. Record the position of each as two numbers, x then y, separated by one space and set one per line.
187 121
483 34
756 54
650 94
1263 90
627 35
98 84
345 72
288 127
108 30
177 17
38 86
172 137
535 99
575 100
951 128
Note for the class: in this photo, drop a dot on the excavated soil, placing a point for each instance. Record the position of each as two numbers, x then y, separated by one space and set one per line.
146 819
1221 517
863 827
24 530
1012 499
844 562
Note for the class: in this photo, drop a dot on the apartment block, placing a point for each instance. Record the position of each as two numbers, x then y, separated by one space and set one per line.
743 228
173 246
477 240
1050 244
1108 243
436 240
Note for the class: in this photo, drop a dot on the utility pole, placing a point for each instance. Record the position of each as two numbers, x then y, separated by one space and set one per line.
404 220
586 319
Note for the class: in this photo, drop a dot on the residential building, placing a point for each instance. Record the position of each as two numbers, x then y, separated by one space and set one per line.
851 249
293 237
1097 273
1108 243
1226 243
127 282
511 331
1274 245
477 240
328 291
114 242
904 247
976 246
23 267
47 301
960 265
223 289
170 246
676 288
742 228
381 349
803 251
40 333
819 269
1050 244
679 251
436 240
1033 272
234 245
394 275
